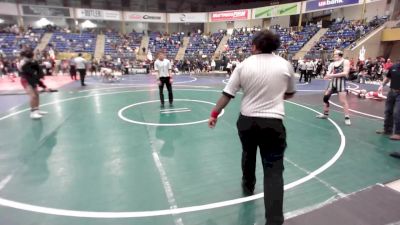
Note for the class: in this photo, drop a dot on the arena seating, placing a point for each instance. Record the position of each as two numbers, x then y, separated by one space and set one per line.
11 43
200 45
118 45
342 34
169 44
69 42
291 41
239 43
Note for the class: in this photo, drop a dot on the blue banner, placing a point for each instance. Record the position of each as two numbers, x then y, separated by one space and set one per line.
325 4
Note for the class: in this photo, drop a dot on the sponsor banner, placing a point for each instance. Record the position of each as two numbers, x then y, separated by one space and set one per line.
277 10
145 17
187 17
8 9
97 14
45 11
328 4
232 15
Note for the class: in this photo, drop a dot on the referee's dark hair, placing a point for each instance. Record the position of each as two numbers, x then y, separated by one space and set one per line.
266 41
28 53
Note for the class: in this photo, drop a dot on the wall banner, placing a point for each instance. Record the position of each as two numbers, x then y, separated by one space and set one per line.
45 11
232 15
327 4
277 10
145 17
187 17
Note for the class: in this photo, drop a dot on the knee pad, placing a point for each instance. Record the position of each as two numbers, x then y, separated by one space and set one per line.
326 99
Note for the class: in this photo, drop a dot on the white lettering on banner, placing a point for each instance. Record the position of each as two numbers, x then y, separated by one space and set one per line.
187 17
147 17
238 14
134 16
98 14
329 2
150 17
91 13
229 15
112 15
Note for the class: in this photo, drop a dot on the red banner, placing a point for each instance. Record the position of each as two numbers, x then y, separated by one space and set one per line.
242 14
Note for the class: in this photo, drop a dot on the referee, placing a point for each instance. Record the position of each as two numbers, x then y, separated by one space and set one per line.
80 63
266 80
391 124
164 77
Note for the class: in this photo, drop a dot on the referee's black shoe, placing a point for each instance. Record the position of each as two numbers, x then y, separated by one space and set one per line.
247 189
395 154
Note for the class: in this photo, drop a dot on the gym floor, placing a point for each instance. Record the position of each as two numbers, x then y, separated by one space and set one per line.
106 154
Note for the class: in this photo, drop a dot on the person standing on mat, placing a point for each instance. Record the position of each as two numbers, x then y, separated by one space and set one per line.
31 72
266 80
303 69
309 70
391 124
80 63
72 69
337 73
164 77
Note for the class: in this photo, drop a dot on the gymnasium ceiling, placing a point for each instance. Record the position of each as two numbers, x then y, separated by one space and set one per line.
159 5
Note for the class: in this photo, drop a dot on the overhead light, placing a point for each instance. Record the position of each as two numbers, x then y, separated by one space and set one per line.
1 21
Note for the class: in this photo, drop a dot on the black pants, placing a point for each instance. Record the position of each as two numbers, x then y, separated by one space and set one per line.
165 81
72 72
303 74
392 112
229 71
270 136
82 74
309 74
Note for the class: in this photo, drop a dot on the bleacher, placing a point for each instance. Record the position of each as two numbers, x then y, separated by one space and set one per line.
11 43
122 46
342 34
293 41
240 42
70 42
203 45
168 44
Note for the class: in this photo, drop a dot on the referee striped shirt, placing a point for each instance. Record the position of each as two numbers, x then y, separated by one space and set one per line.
264 80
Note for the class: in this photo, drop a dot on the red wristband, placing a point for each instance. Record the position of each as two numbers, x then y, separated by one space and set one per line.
214 114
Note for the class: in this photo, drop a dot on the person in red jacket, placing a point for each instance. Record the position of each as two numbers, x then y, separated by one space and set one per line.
387 66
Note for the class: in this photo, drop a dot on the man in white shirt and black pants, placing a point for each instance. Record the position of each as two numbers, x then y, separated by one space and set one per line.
310 70
81 67
303 70
265 80
164 77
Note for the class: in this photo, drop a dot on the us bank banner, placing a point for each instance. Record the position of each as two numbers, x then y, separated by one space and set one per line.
277 10
97 14
187 17
316 5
